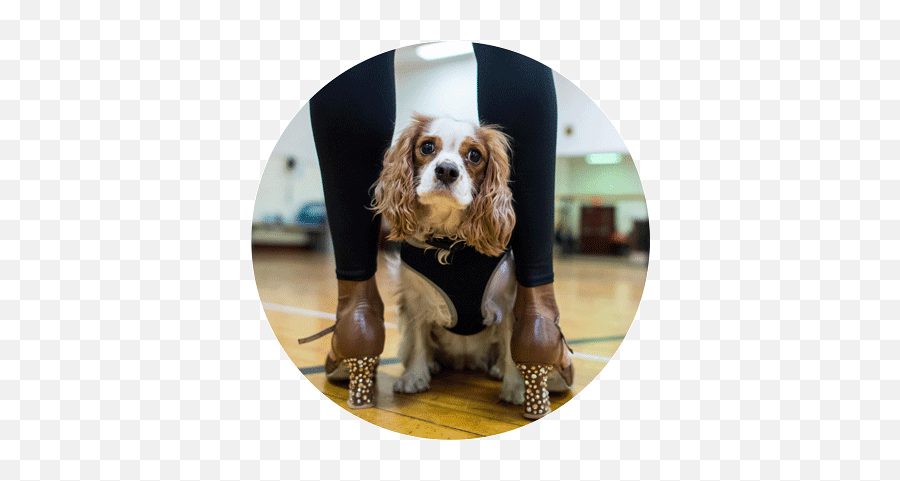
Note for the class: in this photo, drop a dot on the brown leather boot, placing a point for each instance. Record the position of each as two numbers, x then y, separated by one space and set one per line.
539 349
358 340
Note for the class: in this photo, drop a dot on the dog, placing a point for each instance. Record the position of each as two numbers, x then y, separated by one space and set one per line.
444 190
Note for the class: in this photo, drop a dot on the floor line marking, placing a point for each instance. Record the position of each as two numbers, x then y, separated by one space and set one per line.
298 310
330 315
321 368
592 357
393 360
591 340
327 315
309 312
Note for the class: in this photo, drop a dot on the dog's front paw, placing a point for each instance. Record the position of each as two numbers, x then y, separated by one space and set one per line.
412 382
513 389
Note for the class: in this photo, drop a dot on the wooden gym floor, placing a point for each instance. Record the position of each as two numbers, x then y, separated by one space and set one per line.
598 299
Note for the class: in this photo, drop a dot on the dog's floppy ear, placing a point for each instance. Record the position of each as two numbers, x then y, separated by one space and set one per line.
490 217
395 190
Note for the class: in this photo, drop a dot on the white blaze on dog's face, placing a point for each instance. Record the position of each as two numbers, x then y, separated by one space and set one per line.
447 156
448 178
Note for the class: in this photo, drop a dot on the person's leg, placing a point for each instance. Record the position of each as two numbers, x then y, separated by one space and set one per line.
353 122
518 94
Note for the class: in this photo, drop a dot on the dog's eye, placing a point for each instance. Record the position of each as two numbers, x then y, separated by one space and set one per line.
474 156
427 148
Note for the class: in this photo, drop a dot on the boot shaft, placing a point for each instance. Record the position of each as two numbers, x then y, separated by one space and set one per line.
359 330
536 336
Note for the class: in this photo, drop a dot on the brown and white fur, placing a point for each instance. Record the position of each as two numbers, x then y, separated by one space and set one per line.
446 178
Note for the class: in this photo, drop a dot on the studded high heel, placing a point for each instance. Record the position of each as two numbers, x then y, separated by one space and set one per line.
357 342
539 349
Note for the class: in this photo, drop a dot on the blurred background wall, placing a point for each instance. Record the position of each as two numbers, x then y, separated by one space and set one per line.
599 199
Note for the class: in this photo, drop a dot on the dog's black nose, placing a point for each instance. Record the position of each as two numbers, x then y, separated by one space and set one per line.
446 172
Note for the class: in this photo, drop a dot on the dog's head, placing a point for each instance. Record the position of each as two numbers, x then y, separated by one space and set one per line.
448 178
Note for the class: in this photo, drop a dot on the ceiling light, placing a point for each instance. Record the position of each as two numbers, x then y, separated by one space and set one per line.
439 50
603 159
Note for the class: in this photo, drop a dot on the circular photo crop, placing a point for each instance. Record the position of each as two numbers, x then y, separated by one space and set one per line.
450 240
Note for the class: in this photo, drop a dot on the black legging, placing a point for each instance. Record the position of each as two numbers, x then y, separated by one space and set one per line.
353 123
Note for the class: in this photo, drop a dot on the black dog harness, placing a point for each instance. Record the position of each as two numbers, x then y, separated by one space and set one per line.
462 281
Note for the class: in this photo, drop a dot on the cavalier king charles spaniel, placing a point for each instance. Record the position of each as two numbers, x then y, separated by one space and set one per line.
443 189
